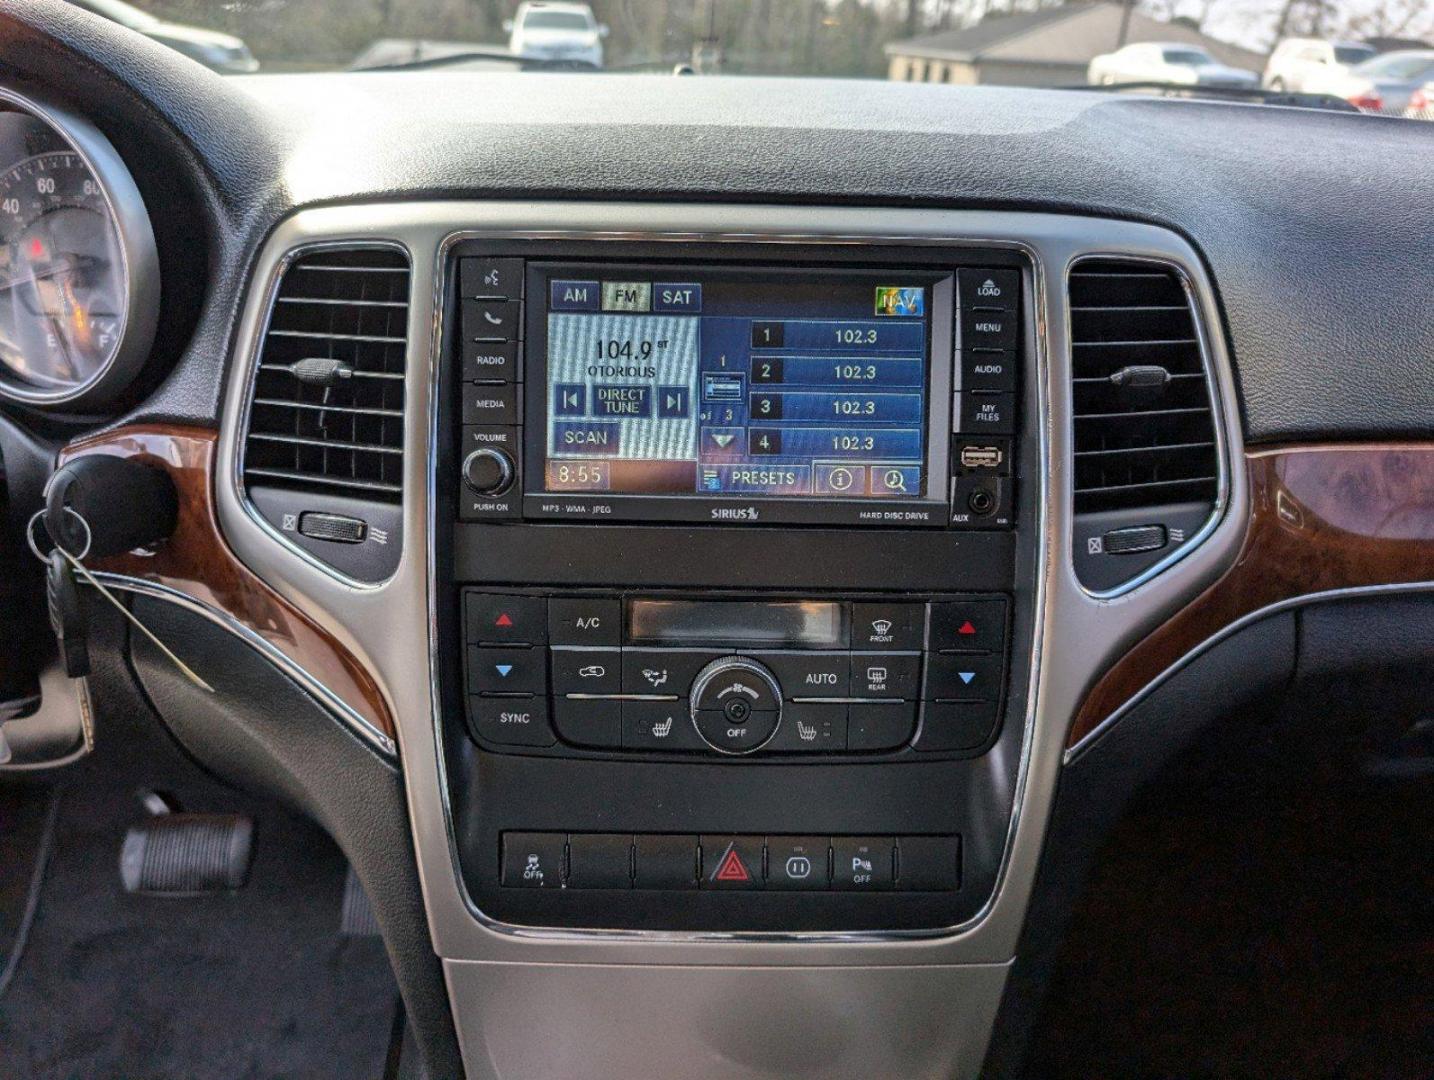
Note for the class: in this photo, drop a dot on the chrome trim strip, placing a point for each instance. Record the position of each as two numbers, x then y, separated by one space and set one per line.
1089 740
1033 274
250 368
1217 420
139 259
274 655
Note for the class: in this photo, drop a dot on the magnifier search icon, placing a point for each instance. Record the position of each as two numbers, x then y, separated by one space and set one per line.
895 480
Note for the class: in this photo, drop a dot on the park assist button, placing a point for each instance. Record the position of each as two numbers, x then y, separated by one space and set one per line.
862 863
796 862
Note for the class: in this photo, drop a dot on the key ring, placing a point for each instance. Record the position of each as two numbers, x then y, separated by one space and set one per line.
34 547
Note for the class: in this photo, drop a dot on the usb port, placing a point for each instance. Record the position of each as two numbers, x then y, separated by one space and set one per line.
980 457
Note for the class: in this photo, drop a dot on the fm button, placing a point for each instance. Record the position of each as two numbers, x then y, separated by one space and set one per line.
736 705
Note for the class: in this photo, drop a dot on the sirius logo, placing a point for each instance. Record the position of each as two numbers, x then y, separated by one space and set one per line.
734 513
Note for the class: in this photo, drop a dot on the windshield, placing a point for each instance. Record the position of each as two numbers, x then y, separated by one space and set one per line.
1245 50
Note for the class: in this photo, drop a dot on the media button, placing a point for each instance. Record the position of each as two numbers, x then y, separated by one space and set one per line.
888 626
586 671
490 404
862 863
808 674
797 862
658 725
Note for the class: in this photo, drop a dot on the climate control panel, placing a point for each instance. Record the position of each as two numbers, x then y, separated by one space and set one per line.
733 678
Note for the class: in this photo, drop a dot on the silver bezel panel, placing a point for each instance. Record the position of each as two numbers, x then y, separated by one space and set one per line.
1077 636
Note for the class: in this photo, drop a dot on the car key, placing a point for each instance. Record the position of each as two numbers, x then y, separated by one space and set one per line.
67 616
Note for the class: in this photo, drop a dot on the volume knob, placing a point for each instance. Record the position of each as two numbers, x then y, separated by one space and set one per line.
487 471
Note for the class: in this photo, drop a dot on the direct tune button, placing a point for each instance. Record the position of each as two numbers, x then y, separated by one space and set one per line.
735 704
487 471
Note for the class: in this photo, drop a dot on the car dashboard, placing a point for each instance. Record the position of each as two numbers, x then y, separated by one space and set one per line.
685 563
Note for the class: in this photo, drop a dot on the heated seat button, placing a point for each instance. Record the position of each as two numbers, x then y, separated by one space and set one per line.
532 860
955 725
507 669
886 675
665 862
959 677
585 621
496 619
810 674
861 863
511 721
880 725
810 727
969 626
658 725
796 862
585 722
731 862
887 626
928 863
586 671
600 861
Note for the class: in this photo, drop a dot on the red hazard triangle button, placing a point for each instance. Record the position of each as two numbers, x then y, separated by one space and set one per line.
737 865
966 628
503 619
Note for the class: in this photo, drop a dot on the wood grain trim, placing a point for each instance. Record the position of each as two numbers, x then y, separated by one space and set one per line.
1321 518
196 561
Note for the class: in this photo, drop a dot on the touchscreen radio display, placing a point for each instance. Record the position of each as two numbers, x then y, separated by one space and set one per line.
765 383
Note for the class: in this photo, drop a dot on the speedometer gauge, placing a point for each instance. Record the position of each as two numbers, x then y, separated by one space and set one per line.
76 316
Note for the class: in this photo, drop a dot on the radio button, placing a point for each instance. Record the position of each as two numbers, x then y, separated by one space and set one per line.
661 671
810 727
584 621
507 670
586 671
586 722
963 678
658 725
732 734
880 725
511 721
812 674
489 361
887 626
886 675
969 626
500 620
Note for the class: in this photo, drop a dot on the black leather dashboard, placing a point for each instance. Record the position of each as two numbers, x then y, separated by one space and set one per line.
1321 261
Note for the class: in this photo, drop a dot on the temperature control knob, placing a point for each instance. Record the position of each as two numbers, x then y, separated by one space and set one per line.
487 471
736 705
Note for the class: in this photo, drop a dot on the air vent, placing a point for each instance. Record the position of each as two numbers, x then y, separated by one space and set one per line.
1144 432
326 415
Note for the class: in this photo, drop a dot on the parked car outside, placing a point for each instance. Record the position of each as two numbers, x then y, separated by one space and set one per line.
1421 103
224 53
1308 65
555 31
1165 62
1385 84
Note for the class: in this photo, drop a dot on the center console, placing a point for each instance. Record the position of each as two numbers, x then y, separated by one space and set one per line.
736 583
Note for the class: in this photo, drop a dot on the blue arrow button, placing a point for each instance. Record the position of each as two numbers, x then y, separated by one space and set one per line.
966 676
503 670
